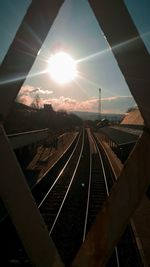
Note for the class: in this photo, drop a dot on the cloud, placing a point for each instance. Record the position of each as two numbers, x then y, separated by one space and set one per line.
70 104
112 98
112 104
44 92
28 94
25 90
34 90
26 100
29 90
118 104
115 104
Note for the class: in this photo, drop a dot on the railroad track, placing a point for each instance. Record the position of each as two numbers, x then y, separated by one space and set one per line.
67 195
69 209
126 253
70 197
12 251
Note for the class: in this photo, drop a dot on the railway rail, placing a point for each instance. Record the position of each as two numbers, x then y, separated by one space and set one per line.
70 196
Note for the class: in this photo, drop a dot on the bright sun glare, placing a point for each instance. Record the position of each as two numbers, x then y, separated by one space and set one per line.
62 68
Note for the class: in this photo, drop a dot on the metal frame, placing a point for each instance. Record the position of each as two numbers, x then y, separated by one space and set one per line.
14 190
134 62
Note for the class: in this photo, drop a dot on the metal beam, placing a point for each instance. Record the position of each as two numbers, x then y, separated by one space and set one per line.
18 140
14 190
134 62
128 48
23 50
118 209
23 211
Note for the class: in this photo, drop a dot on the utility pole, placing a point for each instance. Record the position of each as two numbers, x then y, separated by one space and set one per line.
99 105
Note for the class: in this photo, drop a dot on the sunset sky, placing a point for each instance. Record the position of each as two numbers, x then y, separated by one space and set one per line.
76 32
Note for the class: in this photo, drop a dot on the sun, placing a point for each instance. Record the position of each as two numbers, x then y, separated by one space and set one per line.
62 68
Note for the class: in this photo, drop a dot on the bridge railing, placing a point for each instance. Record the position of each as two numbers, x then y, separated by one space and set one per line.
18 140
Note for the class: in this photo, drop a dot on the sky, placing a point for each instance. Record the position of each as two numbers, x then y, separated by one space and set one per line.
77 32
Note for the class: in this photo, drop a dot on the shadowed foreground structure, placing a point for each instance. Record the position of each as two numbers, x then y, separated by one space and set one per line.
134 62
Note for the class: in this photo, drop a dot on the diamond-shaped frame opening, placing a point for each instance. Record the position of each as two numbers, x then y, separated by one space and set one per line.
129 60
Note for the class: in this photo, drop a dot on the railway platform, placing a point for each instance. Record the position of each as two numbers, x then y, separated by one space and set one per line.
46 157
141 217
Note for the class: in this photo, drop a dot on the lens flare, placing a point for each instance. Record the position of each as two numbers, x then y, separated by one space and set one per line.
62 68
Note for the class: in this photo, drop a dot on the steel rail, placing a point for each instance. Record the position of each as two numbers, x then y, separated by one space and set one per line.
112 168
59 175
3 213
115 179
107 189
88 197
74 173
58 159
19 246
